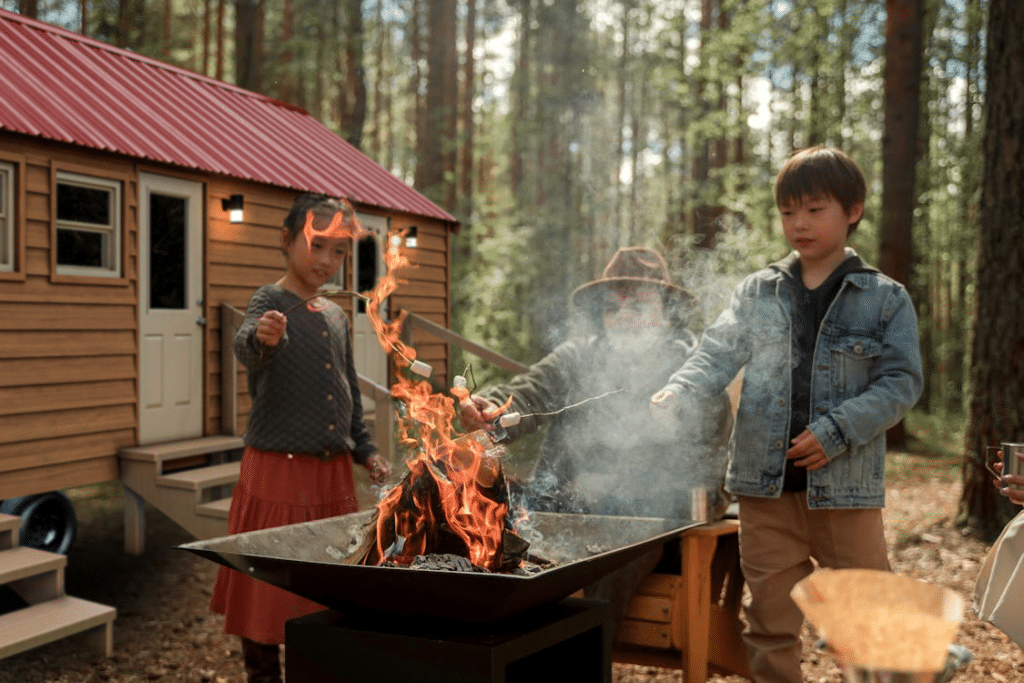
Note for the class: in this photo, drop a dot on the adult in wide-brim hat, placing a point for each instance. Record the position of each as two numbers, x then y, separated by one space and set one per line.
633 268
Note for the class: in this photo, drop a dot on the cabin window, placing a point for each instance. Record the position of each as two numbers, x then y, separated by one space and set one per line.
6 217
88 226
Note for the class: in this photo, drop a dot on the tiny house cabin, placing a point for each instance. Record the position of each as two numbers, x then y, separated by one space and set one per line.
118 256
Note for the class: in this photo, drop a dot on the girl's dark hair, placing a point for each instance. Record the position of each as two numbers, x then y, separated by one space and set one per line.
820 172
296 219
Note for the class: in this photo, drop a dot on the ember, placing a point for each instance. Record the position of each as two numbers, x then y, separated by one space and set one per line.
454 500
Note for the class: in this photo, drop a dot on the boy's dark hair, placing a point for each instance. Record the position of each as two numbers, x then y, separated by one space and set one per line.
296 219
821 171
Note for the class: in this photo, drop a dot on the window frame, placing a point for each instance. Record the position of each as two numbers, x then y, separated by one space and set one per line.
114 273
8 262
13 230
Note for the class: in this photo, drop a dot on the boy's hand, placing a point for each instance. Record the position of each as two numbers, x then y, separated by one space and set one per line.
378 468
664 399
807 452
270 328
474 412
664 408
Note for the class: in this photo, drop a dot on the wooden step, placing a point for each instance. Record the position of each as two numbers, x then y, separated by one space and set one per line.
10 528
202 477
173 450
63 617
20 563
215 508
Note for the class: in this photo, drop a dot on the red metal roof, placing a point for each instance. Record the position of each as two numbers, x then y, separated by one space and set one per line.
63 86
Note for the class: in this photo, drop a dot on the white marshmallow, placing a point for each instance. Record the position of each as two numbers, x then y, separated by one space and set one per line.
420 368
509 419
459 382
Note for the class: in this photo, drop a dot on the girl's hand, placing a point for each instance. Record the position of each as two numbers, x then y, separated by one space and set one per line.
378 468
270 328
807 452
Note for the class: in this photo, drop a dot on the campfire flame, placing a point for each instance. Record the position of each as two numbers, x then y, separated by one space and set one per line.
333 225
455 484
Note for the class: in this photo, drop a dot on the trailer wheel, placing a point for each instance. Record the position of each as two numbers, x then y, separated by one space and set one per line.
48 521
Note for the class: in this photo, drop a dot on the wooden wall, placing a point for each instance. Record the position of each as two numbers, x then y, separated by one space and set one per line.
69 346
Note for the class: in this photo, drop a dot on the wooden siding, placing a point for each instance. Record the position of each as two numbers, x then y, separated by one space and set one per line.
69 345
67 356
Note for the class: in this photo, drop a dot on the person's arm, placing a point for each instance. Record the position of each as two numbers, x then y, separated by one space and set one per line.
894 385
719 356
263 331
541 389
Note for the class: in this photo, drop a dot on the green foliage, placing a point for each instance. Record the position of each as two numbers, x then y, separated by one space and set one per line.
604 123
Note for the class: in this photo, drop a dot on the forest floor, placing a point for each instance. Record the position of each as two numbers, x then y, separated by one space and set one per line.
165 633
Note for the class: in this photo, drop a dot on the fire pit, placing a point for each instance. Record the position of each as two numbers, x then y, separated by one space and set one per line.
307 559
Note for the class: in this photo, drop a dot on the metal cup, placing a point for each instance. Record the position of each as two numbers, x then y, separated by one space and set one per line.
1012 464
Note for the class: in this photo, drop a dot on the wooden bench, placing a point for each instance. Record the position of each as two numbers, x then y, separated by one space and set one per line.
690 620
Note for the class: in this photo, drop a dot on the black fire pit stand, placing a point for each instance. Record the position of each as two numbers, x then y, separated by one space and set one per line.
538 645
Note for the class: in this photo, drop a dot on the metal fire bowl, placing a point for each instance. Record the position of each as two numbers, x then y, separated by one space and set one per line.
306 559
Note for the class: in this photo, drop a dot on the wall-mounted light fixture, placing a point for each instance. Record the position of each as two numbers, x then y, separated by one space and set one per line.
234 206
410 238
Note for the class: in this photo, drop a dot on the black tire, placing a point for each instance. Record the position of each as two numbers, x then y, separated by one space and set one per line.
48 521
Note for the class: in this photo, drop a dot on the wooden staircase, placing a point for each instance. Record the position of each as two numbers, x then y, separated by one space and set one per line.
36 610
189 481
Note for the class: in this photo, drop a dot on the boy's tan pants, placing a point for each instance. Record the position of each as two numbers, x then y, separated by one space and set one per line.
778 539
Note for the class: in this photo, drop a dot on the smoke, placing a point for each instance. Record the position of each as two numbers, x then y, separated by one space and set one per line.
613 456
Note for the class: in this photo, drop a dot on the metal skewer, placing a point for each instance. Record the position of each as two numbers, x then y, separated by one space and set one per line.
332 292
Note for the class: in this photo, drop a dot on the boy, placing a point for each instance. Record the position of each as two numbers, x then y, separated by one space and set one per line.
831 359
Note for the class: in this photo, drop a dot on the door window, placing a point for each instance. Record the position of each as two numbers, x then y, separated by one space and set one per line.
167 235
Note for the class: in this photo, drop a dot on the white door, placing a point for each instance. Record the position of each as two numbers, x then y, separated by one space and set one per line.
170 309
367 267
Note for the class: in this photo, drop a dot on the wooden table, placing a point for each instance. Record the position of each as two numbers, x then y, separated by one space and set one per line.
690 620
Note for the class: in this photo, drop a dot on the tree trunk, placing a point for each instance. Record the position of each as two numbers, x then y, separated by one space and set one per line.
417 122
165 32
286 82
996 403
132 24
466 132
218 70
249 44
436 167
899 145
205 53
352 102
520 91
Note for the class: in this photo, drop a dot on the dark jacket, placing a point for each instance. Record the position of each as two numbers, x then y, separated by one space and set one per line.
607 456
305 395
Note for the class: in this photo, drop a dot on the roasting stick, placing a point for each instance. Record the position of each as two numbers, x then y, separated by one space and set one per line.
329 292
512 419
416 366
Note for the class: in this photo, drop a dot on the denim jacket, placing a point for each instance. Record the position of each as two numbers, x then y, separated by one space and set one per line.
867 375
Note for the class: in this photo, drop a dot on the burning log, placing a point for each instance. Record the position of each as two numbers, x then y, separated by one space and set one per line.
455 503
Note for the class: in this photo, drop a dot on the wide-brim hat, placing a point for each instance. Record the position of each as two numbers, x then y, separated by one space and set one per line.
632 267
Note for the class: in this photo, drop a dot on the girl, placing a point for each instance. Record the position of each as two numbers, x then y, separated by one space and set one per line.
306 423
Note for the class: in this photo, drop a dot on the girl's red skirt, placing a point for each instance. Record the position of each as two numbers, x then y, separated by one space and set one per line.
274 490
